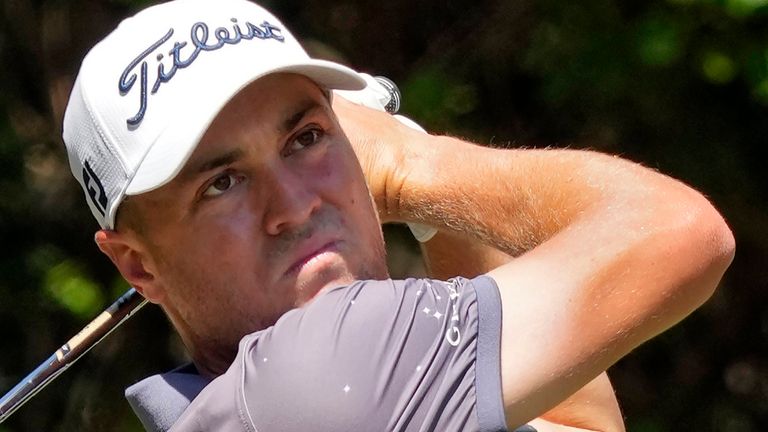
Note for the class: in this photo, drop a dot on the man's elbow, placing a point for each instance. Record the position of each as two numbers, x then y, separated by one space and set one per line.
713 246
722 246
689 251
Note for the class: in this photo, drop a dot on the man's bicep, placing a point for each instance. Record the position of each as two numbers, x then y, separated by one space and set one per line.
547 346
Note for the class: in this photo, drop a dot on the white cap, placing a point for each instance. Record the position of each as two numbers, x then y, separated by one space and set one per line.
147 93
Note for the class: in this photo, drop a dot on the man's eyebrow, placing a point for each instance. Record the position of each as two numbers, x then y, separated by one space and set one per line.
216 162
299 113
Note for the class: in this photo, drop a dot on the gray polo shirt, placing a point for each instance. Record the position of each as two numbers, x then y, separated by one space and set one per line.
411 355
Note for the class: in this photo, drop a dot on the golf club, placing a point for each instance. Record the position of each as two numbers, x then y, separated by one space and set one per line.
70 352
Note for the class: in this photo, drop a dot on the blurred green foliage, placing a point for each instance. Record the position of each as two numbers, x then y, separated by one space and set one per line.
679 85
68 286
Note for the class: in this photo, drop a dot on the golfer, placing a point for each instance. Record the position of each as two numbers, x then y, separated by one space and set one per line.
235 191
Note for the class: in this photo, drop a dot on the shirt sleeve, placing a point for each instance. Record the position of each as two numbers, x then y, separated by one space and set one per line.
412 355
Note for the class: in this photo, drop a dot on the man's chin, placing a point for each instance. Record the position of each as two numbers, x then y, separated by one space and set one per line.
332 269
308 286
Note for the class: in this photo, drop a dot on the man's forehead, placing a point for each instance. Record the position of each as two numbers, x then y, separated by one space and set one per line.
269 105
270 101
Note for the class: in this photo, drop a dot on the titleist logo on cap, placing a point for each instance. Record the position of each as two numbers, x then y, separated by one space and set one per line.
199 38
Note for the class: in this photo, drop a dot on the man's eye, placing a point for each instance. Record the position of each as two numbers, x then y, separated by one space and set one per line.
305 139
221 184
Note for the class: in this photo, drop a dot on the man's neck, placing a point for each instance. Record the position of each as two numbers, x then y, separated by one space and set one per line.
211 357
211 364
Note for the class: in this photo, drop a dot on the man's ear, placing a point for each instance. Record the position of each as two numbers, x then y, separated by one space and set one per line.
132 261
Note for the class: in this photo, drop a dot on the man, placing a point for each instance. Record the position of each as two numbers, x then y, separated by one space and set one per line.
234 195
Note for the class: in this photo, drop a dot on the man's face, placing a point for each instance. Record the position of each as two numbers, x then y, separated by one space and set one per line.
271 208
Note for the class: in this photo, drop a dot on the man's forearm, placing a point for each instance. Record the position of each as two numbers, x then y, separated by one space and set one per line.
450 254
593 407
517 199
512 199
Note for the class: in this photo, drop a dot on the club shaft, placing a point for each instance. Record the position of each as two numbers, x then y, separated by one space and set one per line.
119 311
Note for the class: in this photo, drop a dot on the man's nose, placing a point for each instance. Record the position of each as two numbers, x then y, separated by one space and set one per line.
292 201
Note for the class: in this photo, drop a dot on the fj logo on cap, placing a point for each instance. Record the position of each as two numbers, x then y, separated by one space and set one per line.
95 189
199 35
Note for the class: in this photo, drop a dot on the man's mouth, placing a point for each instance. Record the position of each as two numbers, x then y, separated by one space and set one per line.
315 259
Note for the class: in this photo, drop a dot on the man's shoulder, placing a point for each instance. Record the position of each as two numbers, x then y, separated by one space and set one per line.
334 355
363 354
407 286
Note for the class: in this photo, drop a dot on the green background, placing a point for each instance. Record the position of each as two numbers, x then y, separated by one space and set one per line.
678 85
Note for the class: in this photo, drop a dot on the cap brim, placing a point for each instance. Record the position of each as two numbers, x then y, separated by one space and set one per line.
168 154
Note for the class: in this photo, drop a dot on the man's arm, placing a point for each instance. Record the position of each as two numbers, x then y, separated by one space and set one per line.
616 253
592 408
619 253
